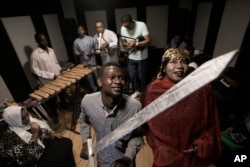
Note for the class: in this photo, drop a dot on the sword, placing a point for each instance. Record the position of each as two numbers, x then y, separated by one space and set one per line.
192 82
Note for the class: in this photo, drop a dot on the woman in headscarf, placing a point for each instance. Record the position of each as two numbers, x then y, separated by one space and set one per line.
26 141
188 133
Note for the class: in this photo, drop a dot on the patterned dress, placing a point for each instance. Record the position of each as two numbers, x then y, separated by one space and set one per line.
192 121
15 152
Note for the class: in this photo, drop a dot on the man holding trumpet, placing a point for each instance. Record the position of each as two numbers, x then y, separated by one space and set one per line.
105 43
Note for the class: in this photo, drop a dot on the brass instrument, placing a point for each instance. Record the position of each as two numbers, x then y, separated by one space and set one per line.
98 44
102 46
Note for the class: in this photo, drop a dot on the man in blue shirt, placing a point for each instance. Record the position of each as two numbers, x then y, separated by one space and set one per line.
104 111
83 49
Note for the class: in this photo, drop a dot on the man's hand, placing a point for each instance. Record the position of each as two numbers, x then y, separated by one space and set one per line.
131 44
123 162
86 53
84 153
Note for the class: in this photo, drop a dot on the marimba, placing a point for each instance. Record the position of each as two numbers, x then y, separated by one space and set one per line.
66 79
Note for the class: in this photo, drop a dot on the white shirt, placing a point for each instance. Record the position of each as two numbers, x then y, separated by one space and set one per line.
44 64
139 29
193 64
111 38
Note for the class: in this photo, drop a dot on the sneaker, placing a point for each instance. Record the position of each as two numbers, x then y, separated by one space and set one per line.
136 95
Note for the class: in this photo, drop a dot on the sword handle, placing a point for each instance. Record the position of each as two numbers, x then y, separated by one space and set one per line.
90 150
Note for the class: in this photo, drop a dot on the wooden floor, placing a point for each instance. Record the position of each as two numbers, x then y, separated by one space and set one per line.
143 159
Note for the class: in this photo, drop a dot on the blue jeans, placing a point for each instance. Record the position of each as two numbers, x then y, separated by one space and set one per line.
137 71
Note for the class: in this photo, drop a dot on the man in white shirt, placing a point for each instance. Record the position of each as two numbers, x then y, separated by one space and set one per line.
135 39
105 43
44 63
45 66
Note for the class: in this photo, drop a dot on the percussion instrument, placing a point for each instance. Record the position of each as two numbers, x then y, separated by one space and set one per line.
63 81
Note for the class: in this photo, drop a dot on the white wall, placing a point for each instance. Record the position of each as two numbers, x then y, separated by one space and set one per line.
5 93
157 22
22 39
201 25
233 27
56 37
68 8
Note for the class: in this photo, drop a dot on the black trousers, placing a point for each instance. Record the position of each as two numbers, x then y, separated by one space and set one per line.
58 152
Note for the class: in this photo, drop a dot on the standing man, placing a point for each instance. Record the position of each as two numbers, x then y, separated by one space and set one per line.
105 111
105 43
45 66
44 63
135 39
83 49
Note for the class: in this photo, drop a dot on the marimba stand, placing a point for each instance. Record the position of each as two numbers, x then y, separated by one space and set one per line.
75 109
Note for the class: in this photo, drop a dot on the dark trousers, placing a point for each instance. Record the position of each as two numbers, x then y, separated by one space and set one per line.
137 71
58 152
51 105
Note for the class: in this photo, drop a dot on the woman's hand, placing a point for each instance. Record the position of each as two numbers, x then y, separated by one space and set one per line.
34 128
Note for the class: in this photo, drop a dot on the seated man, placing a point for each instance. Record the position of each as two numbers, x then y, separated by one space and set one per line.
177 41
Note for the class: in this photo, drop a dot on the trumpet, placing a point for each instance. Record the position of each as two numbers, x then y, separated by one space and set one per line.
101 45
